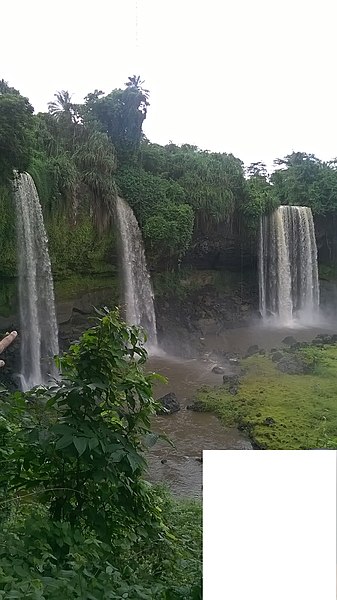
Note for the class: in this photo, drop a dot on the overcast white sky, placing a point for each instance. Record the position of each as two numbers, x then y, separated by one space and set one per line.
253 77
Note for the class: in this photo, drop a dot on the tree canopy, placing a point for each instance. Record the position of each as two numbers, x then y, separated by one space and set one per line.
15 131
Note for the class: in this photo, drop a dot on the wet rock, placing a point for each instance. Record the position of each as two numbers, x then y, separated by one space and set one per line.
196 406
262 352
169 404
231 380
276 356
334 338
163 461
323 338
199 459
234 361
218 370
292 365
273 350
289 340
233 389
254 349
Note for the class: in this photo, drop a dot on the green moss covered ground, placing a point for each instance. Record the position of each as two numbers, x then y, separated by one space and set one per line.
281 411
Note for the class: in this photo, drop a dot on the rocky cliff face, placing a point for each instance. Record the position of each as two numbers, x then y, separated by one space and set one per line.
227 245
326 237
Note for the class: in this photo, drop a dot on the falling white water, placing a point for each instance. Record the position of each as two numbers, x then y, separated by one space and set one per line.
138 294
39 335
288 272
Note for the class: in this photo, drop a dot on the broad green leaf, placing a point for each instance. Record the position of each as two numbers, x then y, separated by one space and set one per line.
80 444
64 442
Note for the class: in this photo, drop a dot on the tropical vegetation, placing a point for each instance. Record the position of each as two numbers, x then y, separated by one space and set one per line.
78 518
82 155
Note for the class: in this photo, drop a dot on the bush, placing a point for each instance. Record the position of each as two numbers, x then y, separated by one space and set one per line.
78 518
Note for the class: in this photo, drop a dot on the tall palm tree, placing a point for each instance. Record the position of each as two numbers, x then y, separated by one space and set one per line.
63 108
135 82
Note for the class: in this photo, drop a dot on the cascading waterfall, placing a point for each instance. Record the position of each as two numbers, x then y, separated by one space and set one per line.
288 272
39 335
138 294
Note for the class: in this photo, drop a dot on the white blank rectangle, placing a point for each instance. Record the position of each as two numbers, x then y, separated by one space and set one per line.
269 525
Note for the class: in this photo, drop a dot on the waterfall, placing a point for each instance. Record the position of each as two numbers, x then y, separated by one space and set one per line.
288 272
138 294
39 336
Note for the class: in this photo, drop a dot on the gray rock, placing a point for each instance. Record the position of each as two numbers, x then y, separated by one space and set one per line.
169 404
254 349
233 382
289 340
269 421
292 365
196 406
323 338
218 370
276 356
233 389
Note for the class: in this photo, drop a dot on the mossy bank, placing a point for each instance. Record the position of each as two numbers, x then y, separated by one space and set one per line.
281 410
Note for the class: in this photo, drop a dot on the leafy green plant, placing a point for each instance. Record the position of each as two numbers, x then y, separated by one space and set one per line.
78 520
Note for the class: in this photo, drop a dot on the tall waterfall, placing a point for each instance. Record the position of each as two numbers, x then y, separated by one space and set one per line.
138 294
288 273
39 336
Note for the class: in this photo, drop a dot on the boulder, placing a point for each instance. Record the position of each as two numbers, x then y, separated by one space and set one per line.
323 338
254 349
233 389
231 380
292 365
169 404
197 406
276 356
218 370
289 340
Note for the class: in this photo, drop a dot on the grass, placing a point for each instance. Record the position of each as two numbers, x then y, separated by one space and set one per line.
301 409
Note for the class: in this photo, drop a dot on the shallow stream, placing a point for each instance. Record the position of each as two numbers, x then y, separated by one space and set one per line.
180 467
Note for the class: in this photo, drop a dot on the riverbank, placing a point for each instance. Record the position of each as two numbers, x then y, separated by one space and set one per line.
285 399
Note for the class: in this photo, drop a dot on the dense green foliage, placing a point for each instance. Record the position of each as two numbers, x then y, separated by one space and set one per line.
305 180
78 519
119 114
15 131
82 155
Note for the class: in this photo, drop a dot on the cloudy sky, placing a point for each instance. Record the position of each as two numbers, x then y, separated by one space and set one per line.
253 77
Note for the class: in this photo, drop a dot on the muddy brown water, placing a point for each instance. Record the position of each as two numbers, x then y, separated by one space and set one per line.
190 432
180 467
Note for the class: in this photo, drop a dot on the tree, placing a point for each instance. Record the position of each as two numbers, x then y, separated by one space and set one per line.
120 115
63 109
169 231
305 180
16 123
261 197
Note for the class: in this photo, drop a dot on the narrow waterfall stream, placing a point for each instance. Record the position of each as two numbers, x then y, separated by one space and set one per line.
288 272
138 294
39 335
